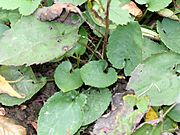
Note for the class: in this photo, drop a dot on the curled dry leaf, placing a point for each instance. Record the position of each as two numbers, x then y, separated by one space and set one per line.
133 9
8 127
2 111
56 10
5 87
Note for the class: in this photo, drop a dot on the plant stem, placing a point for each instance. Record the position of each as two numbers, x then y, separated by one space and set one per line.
169 109
149 33
107 28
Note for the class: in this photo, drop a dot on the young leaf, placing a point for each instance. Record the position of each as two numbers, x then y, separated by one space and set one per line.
93 74
9 127
27 86
26 7
6 88
154 5
169 32
97 102
125 47
65 79
62 114
80 47
38 43
157 77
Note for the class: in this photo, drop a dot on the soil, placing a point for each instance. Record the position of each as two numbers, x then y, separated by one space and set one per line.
27 113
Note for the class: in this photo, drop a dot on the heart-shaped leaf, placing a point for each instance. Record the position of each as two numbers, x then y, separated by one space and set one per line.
125 47
65 79
93 74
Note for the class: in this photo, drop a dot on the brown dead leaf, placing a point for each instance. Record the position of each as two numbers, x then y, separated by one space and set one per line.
5 87
133 9
56 10
8 127
2 111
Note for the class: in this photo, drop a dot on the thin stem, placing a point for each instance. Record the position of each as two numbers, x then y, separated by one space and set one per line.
97 46
169 109
107 28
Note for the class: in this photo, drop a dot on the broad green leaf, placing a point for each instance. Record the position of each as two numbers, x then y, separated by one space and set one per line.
148 129
9 16
28 85
151 47
62 114
26 7
154 5
3 28
175 113
80 47
66 78
123 120
98 101
31 41
157 77
74 2
125 47
93 74
169 32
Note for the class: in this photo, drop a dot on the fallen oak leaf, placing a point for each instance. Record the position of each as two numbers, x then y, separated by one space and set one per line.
5 87
9 127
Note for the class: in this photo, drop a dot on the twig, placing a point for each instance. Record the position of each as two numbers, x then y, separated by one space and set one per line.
107 28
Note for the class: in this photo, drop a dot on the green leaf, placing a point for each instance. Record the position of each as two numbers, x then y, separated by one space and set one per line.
123 120
9 16
3 28
93 74
125 47
148 129
26 7
65 79
169 32
62 114
98 101
119 15
155 5
157 77
174 113
151 48
31 41
28 86
80 47
74 2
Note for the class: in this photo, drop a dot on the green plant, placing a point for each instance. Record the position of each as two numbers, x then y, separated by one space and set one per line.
31 33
